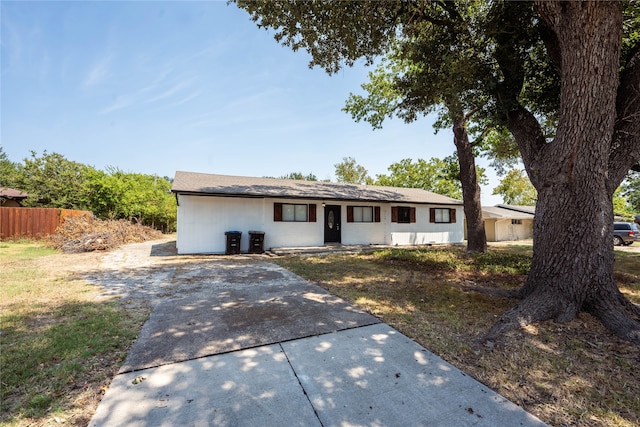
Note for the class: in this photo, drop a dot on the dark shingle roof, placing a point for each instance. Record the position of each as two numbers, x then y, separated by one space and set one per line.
225 185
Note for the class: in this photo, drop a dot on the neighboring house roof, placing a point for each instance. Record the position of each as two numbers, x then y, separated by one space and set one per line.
499 212
10 193
242 186
524 209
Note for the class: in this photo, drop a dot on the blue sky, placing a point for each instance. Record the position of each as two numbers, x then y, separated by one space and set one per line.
155 87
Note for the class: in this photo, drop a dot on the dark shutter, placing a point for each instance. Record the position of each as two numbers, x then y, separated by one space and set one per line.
376 214
432 214
452 215
412 214
394 214
349 213
312 213
277 211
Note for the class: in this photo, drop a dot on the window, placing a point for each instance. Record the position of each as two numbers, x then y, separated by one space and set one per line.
363 214
516 222
288 212
442 216
403 214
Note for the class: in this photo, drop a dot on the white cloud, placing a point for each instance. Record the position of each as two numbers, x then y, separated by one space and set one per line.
99 71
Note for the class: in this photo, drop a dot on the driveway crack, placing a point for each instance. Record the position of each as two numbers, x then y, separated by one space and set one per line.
301 385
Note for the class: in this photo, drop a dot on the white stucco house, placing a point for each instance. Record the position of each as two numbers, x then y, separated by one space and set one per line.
508 222
295 213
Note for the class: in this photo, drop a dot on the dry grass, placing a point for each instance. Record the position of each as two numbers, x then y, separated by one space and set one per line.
568 374
60 343
86 234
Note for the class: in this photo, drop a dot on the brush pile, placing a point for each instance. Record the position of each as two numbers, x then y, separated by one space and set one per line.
86 234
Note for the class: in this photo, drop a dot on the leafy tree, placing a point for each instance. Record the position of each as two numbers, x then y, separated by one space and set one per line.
351 172
409 85
574 65
621 208
141 198
300 176
436 175
8 171
631 190
516 189
53 181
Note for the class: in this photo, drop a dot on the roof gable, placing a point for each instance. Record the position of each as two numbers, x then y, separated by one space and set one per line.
241 186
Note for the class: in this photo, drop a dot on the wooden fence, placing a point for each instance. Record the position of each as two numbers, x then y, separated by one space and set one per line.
33 222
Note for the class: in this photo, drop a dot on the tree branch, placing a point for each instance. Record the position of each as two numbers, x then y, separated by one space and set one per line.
625 149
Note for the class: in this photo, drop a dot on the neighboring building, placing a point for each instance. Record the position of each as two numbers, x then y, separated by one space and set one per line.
295 213
11 198
508 222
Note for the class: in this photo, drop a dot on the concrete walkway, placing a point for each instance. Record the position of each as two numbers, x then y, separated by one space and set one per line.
251 344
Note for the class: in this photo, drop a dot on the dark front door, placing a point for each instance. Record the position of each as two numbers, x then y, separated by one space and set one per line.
332 224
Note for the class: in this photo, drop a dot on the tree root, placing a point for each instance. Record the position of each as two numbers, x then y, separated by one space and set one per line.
616 314
533 308
618 317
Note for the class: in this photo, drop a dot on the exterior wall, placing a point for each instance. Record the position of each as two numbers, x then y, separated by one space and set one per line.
203 220
424 232
504 230
490 229
364 233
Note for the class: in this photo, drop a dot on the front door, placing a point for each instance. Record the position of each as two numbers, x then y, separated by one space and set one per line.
332 224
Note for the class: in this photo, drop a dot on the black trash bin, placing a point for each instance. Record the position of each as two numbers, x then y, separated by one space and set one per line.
256 242
233 242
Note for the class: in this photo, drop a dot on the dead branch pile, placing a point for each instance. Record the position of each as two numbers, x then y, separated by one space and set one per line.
84 234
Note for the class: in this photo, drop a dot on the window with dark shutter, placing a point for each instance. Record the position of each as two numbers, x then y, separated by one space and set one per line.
403 214
442 216
362 214
376 214
287 212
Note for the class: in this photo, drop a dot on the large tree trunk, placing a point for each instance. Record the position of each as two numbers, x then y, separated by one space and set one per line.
572 265
476 236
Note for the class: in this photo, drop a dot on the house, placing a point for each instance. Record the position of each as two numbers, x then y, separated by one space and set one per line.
11 198
294 213
508 222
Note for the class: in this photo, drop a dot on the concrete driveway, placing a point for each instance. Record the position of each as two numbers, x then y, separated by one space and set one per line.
243 342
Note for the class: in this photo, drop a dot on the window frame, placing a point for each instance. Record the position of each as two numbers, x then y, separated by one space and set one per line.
395 214
433 215
279 208
351 213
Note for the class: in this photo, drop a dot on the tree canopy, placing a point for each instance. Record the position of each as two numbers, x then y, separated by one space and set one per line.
51 180
351 172
516 189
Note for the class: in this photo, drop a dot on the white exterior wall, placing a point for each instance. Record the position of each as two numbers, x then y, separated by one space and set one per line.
424 232
203 220
504 230
364 233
